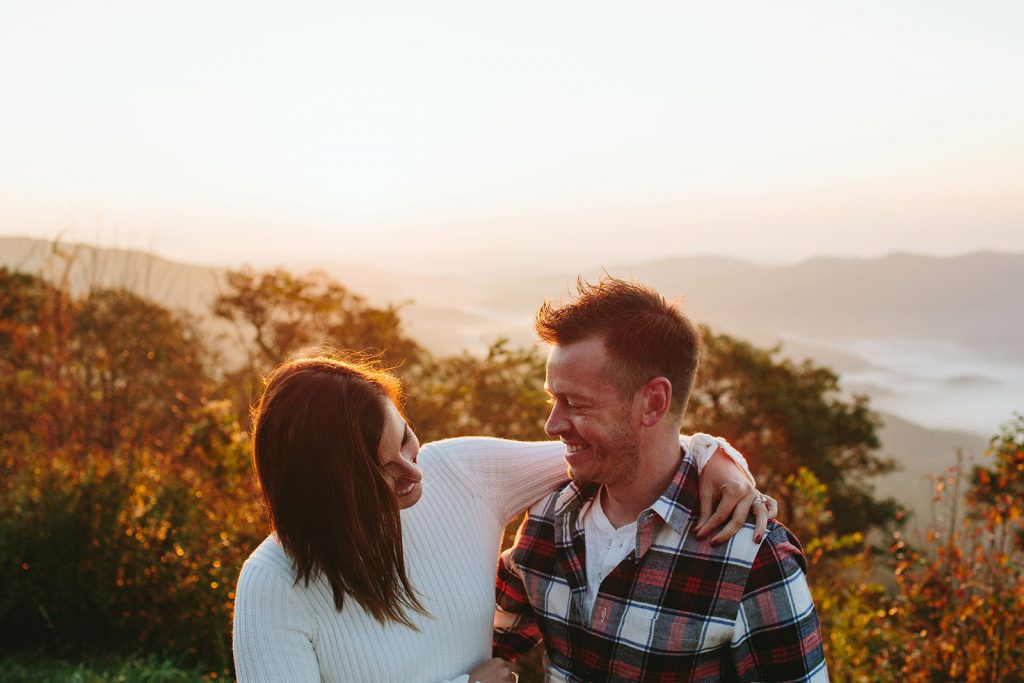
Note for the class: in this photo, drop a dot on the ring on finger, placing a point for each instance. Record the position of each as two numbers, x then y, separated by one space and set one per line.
515 677
761 498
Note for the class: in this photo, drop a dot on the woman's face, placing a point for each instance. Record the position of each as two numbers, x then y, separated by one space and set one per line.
397 451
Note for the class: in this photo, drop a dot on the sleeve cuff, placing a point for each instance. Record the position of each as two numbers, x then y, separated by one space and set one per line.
703 446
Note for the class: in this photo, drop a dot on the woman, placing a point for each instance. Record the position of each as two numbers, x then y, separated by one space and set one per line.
348 589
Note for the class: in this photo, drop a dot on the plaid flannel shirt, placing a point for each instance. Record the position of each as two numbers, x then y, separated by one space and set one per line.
676 609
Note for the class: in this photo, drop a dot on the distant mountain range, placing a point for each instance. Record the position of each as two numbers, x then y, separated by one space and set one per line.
855 315
973 300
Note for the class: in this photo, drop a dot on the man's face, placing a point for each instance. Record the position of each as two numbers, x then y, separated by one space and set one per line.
589 415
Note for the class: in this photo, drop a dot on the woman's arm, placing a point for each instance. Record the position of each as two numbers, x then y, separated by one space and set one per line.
513 474
272 637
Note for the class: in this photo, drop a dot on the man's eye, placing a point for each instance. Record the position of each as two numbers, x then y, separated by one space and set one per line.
568 404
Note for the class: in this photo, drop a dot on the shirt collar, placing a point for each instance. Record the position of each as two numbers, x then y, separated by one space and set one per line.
676 506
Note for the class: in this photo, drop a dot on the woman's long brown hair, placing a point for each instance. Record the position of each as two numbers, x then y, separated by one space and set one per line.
316 432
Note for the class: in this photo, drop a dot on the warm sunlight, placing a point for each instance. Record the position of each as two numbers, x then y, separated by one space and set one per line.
321 132
304 306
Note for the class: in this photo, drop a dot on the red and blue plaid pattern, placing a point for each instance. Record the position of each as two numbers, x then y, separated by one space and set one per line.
676 609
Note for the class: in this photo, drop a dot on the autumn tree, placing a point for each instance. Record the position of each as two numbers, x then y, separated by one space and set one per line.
278 313
500 394
126 496
139 369
844 576
99 370
282 312
997 490
784 415
961 598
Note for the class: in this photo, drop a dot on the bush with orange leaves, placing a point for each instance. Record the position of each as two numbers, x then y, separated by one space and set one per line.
127 502
127 497
951 609
844 578
961 606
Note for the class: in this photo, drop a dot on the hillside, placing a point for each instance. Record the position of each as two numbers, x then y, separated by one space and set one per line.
923 455
971 300
813 306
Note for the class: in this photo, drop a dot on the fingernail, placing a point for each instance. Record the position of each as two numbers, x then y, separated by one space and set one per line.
757 539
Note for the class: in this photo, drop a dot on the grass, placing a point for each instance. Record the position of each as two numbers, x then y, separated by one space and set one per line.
130 669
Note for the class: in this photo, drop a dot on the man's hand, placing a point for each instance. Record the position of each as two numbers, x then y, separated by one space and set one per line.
723 481
495 670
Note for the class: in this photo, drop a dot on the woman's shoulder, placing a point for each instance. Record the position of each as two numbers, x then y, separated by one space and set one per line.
268 561
267 600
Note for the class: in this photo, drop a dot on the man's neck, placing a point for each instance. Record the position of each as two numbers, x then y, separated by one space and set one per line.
623 501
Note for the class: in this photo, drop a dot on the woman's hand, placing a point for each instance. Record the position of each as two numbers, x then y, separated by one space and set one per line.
495 670
723 481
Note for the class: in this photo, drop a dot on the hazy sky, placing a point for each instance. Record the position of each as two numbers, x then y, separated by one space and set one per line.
566 133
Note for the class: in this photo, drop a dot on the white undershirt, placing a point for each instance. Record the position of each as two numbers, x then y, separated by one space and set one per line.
606 548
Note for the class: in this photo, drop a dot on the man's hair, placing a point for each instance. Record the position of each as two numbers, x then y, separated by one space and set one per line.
645 335
316 432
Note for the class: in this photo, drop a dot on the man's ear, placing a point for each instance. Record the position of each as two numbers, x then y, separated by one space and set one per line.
657 400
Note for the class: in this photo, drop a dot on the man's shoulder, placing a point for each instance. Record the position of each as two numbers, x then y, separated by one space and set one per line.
544 511
779 558
544 508
535 541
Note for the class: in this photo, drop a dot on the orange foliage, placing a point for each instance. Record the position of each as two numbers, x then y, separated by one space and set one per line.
129 505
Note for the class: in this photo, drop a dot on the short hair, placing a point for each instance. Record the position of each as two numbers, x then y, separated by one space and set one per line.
645 335
316 436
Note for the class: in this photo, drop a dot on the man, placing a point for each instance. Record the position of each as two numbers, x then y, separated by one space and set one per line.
610 570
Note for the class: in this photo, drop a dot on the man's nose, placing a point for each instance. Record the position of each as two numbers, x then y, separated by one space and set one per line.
556 424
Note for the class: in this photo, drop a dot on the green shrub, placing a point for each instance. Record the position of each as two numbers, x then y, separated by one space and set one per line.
36 669
129 551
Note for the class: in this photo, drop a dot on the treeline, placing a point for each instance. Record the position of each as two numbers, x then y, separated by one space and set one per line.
129 504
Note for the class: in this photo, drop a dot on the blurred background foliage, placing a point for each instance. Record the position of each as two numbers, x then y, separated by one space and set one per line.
128 501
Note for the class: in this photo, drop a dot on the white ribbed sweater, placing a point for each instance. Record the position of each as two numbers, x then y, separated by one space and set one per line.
471 488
